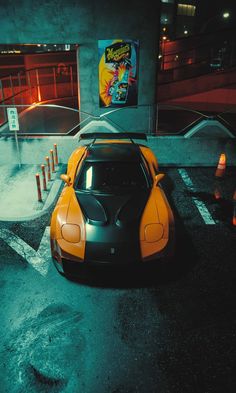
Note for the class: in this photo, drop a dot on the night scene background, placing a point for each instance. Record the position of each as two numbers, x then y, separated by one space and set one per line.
165 328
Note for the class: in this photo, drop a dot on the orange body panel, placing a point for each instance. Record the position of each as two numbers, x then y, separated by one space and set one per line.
157 211
73 161
67 211
156 231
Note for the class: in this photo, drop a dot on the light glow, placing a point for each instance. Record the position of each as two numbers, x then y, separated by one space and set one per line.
89 175
226 15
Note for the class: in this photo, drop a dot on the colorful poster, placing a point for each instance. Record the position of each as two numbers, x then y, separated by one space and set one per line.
118 71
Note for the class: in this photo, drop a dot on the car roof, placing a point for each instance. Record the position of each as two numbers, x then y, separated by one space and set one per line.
128 152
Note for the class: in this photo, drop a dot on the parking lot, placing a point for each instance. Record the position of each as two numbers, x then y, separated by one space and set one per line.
165 329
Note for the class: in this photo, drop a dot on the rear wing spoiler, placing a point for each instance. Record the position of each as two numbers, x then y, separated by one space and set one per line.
113 135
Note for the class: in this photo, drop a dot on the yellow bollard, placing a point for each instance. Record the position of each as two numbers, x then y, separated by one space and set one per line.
44 177
56 155
38 187
52 158
48 166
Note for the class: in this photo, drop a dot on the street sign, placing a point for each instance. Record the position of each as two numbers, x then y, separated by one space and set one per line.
13 121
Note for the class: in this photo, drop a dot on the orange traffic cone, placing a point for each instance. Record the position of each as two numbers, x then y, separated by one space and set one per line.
220 170
217 193
234 209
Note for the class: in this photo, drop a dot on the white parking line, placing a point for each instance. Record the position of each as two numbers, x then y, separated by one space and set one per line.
39 260
199 204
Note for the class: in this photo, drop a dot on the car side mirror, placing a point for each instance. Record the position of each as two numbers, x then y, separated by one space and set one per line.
66 179
158 178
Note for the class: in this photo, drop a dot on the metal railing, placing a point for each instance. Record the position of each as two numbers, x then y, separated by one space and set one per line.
36 86
52 119
155 120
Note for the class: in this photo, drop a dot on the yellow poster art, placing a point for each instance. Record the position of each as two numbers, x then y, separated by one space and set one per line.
118 72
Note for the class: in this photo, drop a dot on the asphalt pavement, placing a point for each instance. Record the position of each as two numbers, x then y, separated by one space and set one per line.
167 330
19 199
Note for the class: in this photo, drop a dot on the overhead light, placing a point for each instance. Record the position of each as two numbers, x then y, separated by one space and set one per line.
226 15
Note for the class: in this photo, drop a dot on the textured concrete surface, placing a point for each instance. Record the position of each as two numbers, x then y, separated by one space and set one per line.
18 191
171 330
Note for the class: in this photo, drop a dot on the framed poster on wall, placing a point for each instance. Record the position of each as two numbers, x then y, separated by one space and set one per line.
118 72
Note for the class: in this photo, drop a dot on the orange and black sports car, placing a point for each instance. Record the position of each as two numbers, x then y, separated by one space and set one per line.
112 209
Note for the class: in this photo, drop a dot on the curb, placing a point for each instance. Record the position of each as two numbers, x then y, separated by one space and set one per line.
54 191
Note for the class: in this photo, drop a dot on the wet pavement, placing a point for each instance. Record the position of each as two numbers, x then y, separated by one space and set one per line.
19 194
167 330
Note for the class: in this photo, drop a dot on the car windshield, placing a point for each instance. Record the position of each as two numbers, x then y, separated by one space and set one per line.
111 176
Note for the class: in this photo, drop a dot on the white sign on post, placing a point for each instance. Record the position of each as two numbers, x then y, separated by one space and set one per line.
13 121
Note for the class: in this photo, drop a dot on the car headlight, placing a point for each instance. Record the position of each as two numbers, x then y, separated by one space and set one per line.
71 233
153 232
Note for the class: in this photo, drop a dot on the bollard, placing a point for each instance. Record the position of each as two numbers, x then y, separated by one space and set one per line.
48 166
52 158
56 155
234 216
38 187
234 209
44 177
221 167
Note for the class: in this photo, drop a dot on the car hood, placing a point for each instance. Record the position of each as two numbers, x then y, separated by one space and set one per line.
112 225
105 209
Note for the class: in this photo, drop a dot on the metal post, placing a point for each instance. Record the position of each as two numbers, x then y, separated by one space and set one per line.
38 187
52 158
71 81
55 83
17 148
3 102
37 83
44 177
20 88
56 155
12 90
29 84
48 166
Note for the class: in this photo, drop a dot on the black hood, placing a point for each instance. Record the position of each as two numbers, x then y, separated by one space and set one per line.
112 225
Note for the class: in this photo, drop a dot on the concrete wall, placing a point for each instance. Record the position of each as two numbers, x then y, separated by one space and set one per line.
170 151
85 22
